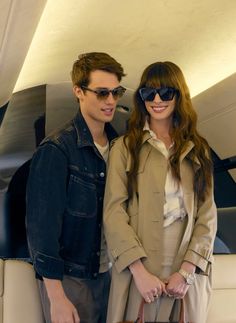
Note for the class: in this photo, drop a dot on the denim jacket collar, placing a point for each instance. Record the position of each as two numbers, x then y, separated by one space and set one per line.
84 136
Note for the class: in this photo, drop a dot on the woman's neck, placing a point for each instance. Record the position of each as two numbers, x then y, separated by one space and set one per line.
162 130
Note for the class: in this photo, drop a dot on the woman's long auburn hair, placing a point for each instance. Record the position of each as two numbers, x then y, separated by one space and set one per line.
184 128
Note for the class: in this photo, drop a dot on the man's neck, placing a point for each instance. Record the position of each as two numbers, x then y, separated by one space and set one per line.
97 129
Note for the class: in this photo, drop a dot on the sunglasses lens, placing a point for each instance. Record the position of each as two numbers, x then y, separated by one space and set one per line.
147 94
102 94
166 93
116 93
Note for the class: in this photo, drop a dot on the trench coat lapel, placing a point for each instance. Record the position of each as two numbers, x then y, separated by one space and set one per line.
186 173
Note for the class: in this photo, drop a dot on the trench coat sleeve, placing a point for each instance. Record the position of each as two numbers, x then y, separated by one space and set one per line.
123 244
200 248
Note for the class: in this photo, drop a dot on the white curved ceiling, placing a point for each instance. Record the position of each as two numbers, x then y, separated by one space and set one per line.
39 44
198 35
18 22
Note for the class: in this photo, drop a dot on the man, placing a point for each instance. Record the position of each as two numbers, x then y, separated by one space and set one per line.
65 197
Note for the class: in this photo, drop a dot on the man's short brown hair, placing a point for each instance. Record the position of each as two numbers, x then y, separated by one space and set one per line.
86 63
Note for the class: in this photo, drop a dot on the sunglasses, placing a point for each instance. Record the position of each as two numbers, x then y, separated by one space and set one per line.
165 93
102 94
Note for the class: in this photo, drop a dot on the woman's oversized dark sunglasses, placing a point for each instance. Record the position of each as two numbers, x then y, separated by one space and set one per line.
102 94
165 93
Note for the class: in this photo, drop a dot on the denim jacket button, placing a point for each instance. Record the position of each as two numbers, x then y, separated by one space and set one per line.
101 174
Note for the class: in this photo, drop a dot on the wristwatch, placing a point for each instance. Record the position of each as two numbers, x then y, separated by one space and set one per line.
189 277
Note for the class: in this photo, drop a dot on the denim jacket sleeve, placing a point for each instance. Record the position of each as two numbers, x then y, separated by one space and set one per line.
46 200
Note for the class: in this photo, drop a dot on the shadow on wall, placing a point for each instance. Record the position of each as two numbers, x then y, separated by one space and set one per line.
2 112
13 241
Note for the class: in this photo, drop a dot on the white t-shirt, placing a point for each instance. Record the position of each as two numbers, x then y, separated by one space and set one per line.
105 263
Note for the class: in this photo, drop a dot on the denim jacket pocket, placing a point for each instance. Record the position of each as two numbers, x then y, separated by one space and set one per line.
82 197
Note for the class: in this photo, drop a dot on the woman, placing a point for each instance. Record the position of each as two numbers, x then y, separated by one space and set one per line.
160 215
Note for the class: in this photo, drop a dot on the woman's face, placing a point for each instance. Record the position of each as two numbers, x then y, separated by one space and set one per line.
160 110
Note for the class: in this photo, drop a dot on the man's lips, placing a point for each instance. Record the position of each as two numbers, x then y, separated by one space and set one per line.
108 111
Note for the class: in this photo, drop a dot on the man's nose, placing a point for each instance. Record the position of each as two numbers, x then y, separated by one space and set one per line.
110 99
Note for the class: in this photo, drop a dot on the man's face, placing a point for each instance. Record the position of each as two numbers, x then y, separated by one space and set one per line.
93 108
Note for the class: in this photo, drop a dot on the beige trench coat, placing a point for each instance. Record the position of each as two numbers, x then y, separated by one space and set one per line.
134 228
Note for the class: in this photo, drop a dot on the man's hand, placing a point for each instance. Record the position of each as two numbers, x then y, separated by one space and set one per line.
148 285
61 309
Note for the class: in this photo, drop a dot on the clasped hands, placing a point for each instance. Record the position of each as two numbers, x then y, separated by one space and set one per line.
150 286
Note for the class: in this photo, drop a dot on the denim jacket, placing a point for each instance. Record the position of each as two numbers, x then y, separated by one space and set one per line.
64 202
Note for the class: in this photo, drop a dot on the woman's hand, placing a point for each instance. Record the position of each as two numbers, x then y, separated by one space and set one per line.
176 286
148 285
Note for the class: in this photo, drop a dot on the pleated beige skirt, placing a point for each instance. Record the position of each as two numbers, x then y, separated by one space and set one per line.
164 306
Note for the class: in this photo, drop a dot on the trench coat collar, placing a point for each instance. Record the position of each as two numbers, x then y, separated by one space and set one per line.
189 147
146 136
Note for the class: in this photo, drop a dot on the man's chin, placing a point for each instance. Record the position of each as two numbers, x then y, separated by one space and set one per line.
108 118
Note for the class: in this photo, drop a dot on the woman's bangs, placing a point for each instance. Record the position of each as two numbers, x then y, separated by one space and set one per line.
158 77
157 83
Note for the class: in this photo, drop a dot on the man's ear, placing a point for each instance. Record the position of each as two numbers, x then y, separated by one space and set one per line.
78 92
